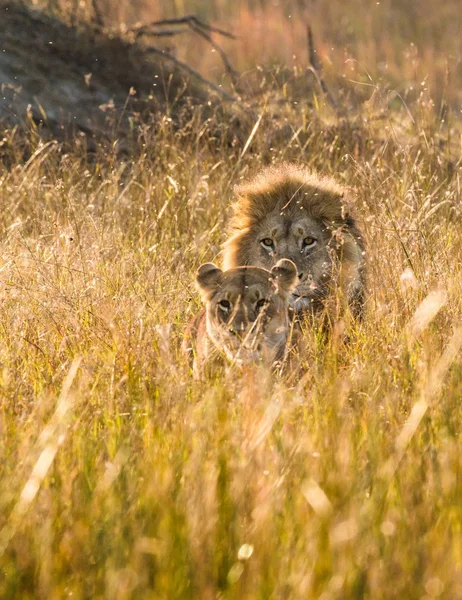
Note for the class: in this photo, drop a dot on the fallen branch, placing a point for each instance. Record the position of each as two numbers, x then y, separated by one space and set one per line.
188 19
192 24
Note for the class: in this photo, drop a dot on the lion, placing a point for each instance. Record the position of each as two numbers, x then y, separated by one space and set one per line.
294 213
245 317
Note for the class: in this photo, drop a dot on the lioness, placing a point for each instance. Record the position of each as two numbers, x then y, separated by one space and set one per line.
291 212
246 314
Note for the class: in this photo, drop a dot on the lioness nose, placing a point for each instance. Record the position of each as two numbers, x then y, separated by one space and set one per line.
237 329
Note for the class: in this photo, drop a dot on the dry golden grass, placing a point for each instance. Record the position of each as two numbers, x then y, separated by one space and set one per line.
121 477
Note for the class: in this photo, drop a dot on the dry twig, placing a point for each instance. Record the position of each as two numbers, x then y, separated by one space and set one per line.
316 68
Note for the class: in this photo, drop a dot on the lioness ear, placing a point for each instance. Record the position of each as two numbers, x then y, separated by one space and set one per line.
284 273
207 278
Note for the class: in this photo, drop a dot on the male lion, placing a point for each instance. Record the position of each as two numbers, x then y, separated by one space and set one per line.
246 314
291 212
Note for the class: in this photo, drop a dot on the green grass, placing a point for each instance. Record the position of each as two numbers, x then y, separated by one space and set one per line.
121 477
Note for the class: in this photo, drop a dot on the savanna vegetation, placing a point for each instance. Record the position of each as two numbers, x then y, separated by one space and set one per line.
122 477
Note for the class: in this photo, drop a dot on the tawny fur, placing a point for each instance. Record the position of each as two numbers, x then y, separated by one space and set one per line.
245 317
280 198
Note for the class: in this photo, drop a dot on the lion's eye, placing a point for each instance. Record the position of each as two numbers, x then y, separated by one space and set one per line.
267 243
309 242
261 304
224 305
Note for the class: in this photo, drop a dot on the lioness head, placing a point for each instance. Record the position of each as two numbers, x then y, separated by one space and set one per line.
290 212
247 309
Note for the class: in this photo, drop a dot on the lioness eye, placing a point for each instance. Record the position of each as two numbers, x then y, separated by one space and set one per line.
268 242
224 304
309 241
261 303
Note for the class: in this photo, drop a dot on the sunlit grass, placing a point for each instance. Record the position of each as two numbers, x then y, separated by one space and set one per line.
122 477
132 480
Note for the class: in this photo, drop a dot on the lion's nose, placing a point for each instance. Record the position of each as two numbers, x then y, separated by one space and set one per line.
237 329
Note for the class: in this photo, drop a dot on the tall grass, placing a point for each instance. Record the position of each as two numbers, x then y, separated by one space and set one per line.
121 477
131 480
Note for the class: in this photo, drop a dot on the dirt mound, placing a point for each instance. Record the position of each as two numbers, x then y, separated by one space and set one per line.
81 79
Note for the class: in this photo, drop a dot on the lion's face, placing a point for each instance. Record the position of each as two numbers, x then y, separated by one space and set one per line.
289 212
247 309
307 243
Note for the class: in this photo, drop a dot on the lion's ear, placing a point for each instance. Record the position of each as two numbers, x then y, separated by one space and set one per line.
284 273
207 277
